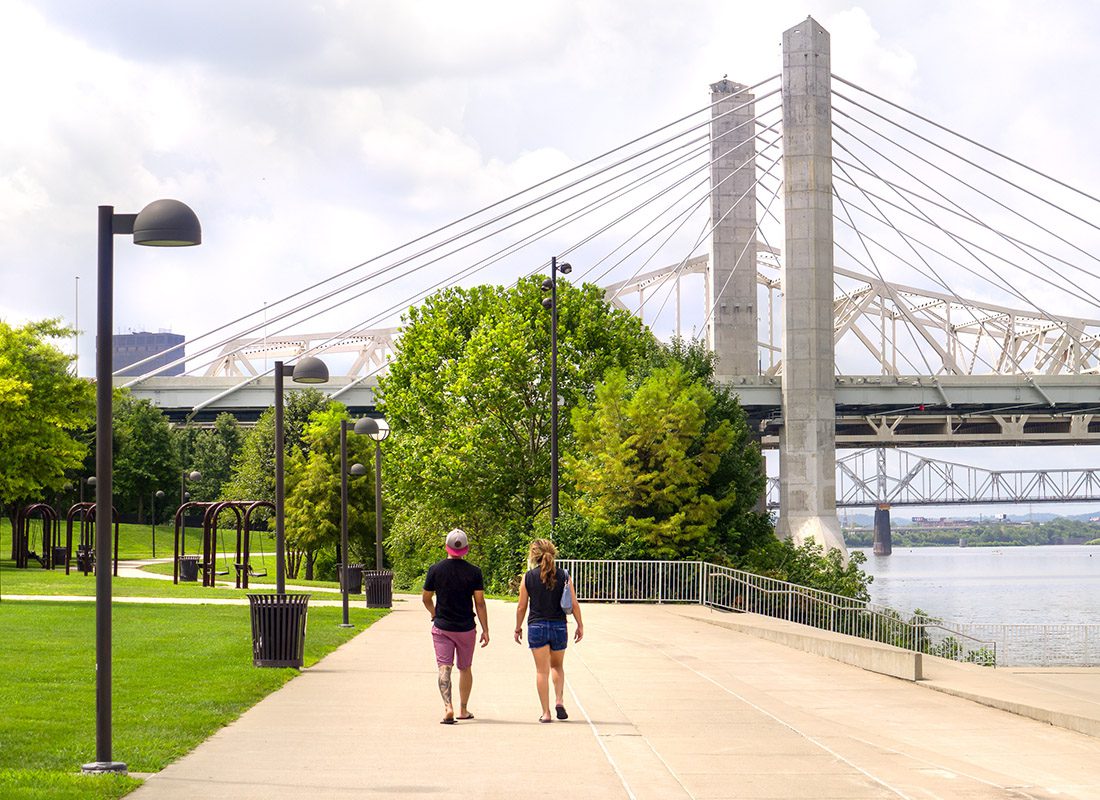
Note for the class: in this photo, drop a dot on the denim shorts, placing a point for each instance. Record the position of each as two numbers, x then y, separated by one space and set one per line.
547 632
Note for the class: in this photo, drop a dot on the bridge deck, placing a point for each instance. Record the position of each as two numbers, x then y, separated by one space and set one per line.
663 705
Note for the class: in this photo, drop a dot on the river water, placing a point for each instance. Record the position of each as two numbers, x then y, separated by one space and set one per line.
1032 584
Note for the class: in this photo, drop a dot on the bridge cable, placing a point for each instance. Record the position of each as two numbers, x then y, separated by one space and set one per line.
960 244
1029 246
960 209
960 136
953 238
410 258
507 199
709 195
468 271
613 195
675 274
744 249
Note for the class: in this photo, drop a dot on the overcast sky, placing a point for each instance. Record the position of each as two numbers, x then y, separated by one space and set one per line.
310 137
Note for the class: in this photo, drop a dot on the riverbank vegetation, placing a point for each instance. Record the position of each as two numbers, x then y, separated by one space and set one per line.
986 534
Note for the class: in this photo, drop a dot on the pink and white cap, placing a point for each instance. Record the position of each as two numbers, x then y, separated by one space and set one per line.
458 544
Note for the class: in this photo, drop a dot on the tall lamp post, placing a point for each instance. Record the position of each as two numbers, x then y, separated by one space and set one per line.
157 495
551 285
162 223
308 370
356 470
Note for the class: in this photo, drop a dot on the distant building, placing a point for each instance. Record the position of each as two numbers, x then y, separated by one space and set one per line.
130 348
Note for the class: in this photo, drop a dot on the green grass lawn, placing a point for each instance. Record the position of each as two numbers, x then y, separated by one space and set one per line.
136 541
180 673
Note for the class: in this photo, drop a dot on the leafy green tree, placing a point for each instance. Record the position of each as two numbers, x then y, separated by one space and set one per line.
252 476
43 409
253 473
643 460
740 478
229 433
808 565
467 397
144 460
313 490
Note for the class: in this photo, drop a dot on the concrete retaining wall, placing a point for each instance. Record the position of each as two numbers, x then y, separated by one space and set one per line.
884 659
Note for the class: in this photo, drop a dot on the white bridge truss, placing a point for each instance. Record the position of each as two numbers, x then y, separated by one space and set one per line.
894 477
963 337
372 347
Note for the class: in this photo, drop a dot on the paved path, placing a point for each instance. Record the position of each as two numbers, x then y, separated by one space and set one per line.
664 704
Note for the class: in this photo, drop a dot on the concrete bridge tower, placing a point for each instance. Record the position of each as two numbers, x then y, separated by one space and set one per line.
807 446
731 269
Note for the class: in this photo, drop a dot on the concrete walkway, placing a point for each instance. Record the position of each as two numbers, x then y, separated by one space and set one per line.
665 702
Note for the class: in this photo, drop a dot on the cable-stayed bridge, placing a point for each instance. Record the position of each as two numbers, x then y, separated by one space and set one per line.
866 276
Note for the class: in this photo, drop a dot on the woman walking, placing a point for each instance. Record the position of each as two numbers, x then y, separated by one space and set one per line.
547 633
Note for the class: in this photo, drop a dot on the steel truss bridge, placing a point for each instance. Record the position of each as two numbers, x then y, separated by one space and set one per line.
883 477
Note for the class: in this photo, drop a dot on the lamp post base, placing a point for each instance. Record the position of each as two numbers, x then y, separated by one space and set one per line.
103 767
342 625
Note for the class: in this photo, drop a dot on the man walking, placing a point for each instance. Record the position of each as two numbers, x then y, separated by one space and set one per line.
452 588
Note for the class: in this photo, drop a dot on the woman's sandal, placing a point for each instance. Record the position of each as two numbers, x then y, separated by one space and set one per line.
546 720
561 712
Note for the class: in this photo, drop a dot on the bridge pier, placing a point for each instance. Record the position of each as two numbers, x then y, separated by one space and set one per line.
807 442
883 542
731 268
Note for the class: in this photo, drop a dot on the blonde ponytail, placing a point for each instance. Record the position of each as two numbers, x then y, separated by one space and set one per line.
541 555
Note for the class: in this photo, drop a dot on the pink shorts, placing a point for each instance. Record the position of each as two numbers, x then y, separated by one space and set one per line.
448 643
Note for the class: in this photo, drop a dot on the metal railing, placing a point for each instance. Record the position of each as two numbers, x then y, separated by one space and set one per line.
736 590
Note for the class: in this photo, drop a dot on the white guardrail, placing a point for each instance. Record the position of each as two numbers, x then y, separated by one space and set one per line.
735 590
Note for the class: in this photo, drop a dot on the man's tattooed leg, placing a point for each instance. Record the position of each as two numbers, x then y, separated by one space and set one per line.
445 689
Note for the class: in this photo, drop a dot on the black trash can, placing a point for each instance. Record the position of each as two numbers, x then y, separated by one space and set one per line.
355 578
379 588
60 556
278 629
85 558
189 568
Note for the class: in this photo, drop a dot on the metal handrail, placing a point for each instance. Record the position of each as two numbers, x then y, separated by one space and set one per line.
653 581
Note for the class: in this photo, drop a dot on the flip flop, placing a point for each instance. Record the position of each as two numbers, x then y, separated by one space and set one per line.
468 716
561 712
447 721
545 720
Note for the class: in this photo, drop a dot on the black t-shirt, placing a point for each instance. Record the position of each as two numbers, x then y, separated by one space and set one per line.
545 603
454 582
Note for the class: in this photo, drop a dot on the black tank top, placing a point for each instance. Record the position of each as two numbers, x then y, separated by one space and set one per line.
545 603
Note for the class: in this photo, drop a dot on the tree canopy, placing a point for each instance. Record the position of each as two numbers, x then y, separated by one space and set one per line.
313 488
643 460
43 407
144 460
468 399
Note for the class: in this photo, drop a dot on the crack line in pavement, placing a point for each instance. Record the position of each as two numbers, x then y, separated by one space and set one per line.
746 701
599 740
641 735
1018 791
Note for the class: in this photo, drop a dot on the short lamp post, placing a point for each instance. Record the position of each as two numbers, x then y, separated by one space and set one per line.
157 495
356 471
185 476
162 223
551 303
307 370
377 430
